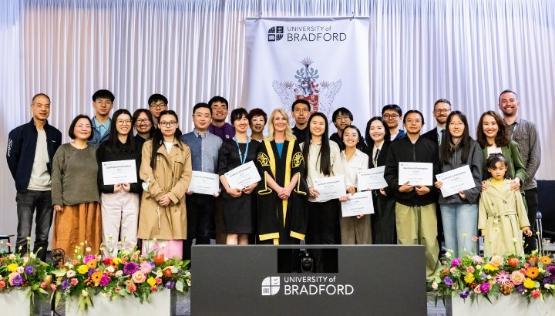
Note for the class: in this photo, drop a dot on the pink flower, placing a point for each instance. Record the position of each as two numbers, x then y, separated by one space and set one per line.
139 277
88 258
74 281
470 269
146 267
477 290
536 293
517 277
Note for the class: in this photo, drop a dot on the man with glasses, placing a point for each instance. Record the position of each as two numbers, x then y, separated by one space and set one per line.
442 108
156 104
301 113
103 101
31 148
392 114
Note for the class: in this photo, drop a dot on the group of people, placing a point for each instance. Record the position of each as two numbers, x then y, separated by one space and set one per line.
284 207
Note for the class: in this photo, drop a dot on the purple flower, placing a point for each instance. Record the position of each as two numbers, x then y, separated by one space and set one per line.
456 262
17 280
170 285
130 268
551 269
65 284
484 287
89 258
520 289
29 270
464 294
483 276
448 281
105 280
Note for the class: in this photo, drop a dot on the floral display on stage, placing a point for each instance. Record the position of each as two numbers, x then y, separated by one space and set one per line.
25 273
532 277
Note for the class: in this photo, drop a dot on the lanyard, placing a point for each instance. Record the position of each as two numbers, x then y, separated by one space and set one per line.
242 157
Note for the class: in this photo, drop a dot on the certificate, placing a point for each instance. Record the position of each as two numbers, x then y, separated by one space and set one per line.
329 188
119 171
371 179
242 176
416 173
204 183
359 203
456 180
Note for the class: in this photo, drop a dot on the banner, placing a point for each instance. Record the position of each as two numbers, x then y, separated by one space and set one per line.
322 60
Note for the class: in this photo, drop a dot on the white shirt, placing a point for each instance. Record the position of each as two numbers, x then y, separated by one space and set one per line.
357 163
313 163
40 178
493 149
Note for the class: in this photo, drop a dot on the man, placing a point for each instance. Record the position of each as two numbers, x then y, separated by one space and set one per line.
204 152
31 148
257 121
525 134
392 114
442 109
103 100
341 118
156 104
301 112
415 211
219 127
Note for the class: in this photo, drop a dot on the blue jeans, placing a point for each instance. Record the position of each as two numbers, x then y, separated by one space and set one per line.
27 202
460 226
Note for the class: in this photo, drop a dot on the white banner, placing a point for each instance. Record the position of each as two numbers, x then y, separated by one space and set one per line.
322 60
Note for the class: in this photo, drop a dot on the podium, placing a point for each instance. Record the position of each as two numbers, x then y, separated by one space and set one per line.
280 280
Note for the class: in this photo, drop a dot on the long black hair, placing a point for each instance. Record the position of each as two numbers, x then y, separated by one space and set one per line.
501 139
158 138
324 154
369 140
447 147
113 139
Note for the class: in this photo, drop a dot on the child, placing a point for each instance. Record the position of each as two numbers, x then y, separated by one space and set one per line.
502 213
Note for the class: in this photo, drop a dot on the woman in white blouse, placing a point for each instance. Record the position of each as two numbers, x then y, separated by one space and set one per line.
354 229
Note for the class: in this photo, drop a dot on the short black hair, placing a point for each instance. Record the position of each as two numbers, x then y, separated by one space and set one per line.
392 107
413 111
202 105
218 99
507 91
103 94
71 132
40 94
494 159
341 110
237 114
157 97
442 101
257 112
300 101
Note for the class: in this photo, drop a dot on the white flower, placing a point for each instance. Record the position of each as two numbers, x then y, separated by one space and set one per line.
159 273
119 273
11 257
20 270
434 285
25 259
110 269
70 274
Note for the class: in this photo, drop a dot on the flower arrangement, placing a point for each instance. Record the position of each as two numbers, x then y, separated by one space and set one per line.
25 271
532 277
125 274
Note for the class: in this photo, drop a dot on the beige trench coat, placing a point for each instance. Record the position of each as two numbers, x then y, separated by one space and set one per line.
502 216
172 175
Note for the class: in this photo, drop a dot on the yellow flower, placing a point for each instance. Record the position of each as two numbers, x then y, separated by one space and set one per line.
82 269
532 272
116 260
490 267
469 278
12 267
151 281
545 260
529 283
96 277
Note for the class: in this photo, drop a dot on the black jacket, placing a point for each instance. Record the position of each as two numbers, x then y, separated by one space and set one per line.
22 143
403 150
108 151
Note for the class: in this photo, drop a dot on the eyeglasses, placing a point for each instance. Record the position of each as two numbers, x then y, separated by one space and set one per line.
168 124
123 122
159 106
390 116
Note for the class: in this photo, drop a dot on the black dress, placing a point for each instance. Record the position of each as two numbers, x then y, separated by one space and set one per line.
237 211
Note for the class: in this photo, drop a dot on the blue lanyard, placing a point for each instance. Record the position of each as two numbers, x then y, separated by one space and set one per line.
242 157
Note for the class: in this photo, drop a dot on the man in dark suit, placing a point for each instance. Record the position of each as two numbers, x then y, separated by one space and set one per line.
442 108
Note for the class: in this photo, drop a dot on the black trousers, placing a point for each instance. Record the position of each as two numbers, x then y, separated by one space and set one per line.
323 228
27 203
200 221
383 221
531 197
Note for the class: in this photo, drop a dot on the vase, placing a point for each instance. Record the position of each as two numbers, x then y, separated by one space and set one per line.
510 305
160 303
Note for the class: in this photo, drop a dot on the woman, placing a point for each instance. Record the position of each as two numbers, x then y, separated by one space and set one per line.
355 229
120 201
237 201
322 160
166 174
144 124
281 195
459 212
75 191
492 137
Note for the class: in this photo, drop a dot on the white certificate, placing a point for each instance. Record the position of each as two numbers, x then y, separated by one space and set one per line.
456 180
371 179
119 171
359 203
329 188
242 176
416 173
204 183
